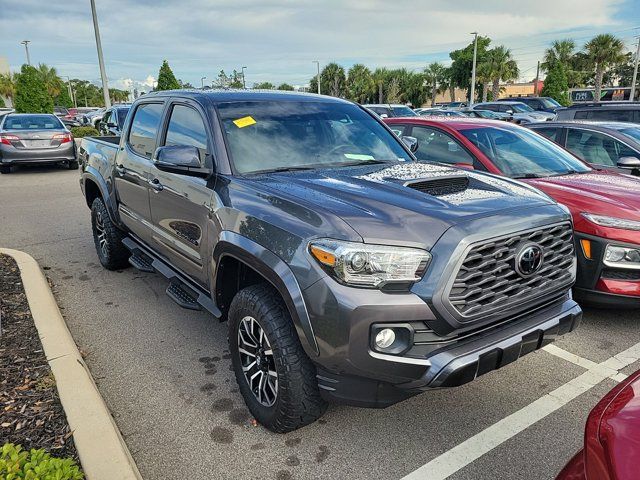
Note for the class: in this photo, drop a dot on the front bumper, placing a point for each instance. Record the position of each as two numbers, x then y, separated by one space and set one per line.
10 155
601 286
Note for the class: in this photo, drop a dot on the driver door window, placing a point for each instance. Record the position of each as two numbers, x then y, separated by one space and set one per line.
435 146
187 128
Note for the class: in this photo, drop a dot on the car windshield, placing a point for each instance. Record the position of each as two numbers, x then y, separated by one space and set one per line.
403 112
122 115
633 133
520 153
288 135
550 103
521 108
32 122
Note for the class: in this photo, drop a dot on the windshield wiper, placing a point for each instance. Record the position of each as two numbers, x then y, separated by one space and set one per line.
530 175
286 169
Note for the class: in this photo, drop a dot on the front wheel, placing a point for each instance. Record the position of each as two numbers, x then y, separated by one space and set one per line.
276 377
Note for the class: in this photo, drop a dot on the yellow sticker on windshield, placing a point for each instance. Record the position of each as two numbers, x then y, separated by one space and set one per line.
244 121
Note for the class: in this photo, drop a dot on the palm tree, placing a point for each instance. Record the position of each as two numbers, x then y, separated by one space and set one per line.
333 80
51 80
435 76
502 68
483 75
7 85
561 51
604 51
360 85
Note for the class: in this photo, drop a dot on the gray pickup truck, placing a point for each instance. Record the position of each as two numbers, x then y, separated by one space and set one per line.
345 269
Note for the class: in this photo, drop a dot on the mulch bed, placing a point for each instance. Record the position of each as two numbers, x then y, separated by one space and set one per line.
30 411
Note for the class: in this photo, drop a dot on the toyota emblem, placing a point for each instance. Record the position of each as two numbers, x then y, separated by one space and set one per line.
529 259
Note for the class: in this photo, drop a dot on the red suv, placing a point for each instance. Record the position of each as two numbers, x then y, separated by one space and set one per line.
605 206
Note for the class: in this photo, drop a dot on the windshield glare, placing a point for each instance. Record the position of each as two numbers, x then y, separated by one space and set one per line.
520 153
274 135
521 108
403 112
633 133
550 103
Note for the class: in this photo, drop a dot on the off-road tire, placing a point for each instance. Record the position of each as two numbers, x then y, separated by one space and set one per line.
114 255
5 169
298 402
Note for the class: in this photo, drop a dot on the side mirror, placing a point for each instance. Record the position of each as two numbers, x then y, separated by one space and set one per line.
629 163
384 115
411 142
184 159
509 112
112 125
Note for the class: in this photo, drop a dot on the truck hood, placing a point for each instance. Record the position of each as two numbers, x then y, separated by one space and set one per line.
605 193
388 203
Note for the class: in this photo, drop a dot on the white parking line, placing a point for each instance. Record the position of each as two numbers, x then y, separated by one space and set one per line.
584 362
473 448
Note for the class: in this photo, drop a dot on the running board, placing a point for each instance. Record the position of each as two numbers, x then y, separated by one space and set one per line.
181 290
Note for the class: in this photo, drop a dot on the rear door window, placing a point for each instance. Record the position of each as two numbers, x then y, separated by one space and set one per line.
144 128
552 133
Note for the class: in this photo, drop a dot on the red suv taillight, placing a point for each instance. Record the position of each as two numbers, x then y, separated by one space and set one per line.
7 139
63 137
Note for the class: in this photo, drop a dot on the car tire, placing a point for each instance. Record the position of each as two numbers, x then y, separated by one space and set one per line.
72 165
292 399
5 169
107 238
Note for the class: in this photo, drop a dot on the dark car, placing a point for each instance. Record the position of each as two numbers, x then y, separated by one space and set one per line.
611 448
346 270
385 110
604 111
112 120
30 138
540 104
605 206
67 116
613 146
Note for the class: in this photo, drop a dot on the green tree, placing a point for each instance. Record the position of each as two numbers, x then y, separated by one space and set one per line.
184 84
604 51
381 78
413 89
333 80
435 76
563 52
502 68
7 85
483 74
264 86
166 79
622 73
31 92
556 85
285 86
462 63
51 80
360 86
236 80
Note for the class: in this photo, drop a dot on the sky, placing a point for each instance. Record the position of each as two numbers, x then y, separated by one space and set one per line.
277 40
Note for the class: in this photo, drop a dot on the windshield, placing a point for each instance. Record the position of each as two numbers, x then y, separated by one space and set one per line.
403 112
633 133
264 136
32 122
520 153
550 103
521 108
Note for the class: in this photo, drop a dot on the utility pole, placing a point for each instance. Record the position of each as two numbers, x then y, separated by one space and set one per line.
244 84
26 48
635 73
535 87
71 96
202 81
318 64
473 70
103 74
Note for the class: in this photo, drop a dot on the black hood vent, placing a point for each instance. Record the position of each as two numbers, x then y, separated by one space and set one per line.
440 185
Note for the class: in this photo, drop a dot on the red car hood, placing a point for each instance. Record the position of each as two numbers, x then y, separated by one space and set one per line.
598 192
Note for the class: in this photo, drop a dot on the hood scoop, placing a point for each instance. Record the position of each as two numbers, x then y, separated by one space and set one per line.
442 185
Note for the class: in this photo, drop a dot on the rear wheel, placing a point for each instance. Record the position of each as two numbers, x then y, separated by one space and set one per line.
107 238
276 377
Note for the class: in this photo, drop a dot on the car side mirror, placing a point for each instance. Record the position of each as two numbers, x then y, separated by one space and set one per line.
384 115
629 162
184 159
509 112
112 125
411 142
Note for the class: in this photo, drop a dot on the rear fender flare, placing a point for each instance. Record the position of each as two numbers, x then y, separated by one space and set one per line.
92 174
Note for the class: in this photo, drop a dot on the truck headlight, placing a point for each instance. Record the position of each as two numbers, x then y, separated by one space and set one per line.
373 266
612 222
622 257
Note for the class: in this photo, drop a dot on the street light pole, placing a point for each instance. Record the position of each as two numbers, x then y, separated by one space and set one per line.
244 84
73 99
103 73
26 48
473 70
318 64
202 81
635 73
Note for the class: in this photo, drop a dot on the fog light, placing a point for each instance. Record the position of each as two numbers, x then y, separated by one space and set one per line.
385 338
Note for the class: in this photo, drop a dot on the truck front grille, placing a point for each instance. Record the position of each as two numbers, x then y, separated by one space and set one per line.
488 280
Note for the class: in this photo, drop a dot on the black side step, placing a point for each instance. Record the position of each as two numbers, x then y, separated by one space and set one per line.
181 290
182 295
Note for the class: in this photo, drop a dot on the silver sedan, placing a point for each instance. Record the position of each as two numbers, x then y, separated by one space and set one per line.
35 138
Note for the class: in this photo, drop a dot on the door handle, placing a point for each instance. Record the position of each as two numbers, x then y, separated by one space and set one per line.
156 185
120 169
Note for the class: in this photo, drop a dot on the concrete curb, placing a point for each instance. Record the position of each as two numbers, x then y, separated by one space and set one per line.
101 448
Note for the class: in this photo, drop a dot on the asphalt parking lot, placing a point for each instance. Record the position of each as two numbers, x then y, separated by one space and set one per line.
164 372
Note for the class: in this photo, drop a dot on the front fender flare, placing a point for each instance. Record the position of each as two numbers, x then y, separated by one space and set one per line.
276 272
